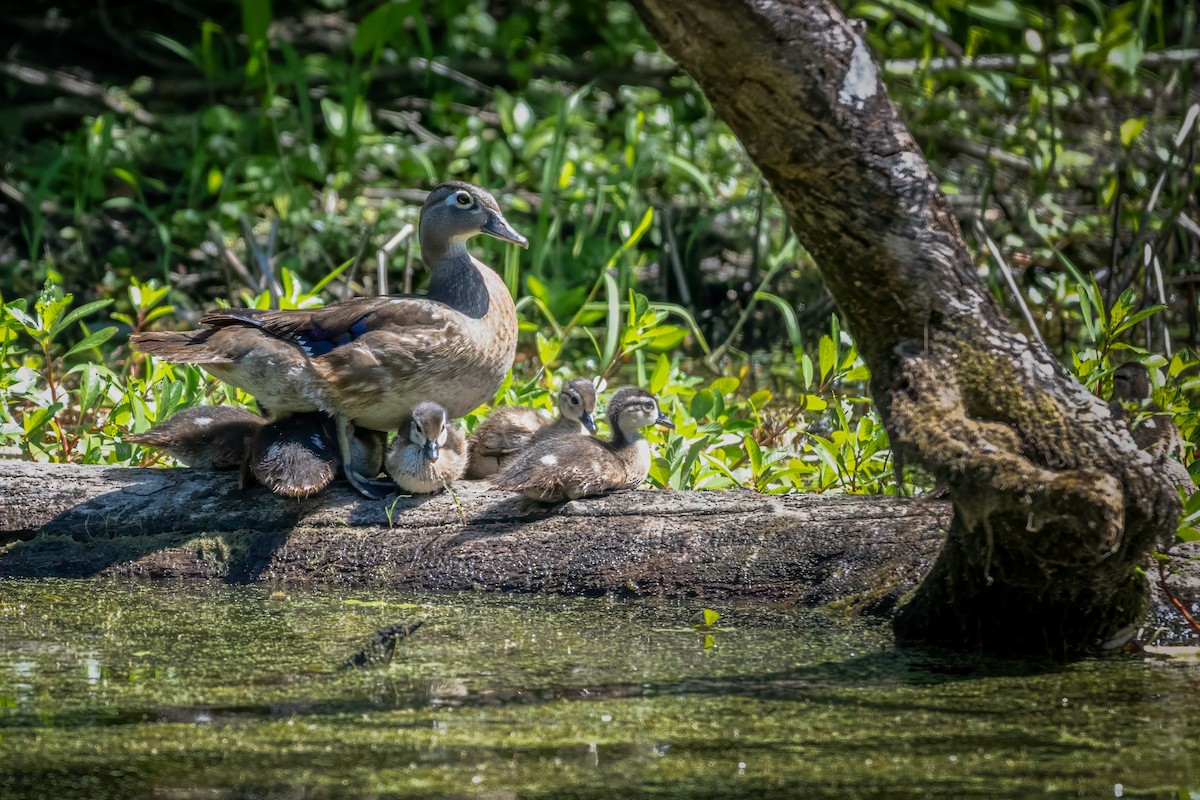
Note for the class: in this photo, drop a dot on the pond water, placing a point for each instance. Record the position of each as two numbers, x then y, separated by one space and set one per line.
124 690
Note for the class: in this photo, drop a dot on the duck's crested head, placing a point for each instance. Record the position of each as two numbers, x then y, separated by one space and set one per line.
1131 381
428 429
455 211
577 401
631 408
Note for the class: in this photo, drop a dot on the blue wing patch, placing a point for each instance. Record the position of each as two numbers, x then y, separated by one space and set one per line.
318 342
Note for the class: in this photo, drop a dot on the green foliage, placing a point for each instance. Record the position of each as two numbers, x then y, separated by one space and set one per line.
657 255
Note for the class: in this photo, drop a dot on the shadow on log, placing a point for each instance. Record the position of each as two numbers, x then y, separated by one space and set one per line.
77 521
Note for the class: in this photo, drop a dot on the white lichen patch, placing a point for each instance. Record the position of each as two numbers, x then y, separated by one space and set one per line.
861 82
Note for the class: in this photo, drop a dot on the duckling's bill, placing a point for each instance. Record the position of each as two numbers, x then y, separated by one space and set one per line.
663 421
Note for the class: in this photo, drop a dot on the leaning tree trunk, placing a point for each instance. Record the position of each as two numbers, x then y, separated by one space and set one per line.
1054 507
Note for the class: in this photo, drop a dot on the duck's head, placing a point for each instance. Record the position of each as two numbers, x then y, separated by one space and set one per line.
1131 381
577 401
631 409
456 211
428 429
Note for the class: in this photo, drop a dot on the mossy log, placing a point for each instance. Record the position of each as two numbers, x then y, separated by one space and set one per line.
70 521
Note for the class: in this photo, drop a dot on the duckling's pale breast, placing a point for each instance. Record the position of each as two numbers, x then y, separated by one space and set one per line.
636 458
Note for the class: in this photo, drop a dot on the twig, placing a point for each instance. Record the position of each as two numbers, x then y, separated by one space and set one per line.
69 84
232 260
1179 606
1151 259
1012 282
381 258
1185 130
364 239
1009 62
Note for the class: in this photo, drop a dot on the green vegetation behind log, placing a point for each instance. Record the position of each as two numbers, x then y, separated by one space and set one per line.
162 159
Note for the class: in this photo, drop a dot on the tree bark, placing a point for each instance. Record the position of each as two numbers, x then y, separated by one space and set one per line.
1054 507
74 521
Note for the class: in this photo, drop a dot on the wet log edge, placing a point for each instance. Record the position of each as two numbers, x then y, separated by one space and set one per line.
78 521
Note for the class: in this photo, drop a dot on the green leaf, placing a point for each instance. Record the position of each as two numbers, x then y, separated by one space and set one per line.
548 348
710 617
702 403
725 385
692 172
612 334
756 457
78 314
1132 128
256 19
634 238
93 339
827 356
662 374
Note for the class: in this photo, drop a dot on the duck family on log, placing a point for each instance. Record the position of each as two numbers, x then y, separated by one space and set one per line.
333 382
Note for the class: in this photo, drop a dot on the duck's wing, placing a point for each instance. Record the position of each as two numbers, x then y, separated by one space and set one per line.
319 330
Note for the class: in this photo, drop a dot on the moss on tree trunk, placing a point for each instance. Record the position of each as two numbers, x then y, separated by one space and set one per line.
1055 508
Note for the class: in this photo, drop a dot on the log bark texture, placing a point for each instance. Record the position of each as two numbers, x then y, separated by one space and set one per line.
1054 506
74 521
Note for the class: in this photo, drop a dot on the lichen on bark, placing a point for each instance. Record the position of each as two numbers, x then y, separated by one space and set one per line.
1055 510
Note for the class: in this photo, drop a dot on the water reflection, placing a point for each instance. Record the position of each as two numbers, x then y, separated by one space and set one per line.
238 692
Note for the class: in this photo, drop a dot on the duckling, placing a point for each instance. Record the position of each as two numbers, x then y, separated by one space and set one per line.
431 456
570 467
506 431
1158 434
298 456
205 437
368 361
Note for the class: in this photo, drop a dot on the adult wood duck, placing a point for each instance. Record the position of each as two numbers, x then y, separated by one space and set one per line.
507 431
570 467
298 456
368 361
205 437
430 455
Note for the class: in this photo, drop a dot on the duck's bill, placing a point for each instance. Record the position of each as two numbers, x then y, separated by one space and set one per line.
432 451
498 226
664 422
589 422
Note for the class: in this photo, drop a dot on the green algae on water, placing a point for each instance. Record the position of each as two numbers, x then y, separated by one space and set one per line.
111 690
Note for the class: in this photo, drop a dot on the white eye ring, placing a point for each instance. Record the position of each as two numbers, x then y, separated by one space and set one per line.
463 199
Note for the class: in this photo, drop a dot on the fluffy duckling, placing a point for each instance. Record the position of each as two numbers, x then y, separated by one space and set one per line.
570 467
298 456
431 456
507 431
205 437
1156 434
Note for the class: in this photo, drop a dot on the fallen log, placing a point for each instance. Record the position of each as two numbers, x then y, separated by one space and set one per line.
75 521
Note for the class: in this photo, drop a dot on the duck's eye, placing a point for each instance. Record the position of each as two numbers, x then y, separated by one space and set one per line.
574 401
463 199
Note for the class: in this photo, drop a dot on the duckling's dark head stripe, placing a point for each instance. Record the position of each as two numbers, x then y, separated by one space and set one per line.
318 342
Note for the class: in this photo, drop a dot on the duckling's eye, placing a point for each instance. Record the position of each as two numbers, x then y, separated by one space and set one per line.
574 401
463 199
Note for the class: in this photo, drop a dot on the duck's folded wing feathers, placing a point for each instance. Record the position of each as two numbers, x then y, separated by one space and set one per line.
317 331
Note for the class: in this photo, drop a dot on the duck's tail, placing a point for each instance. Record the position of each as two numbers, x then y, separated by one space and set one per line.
185 347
